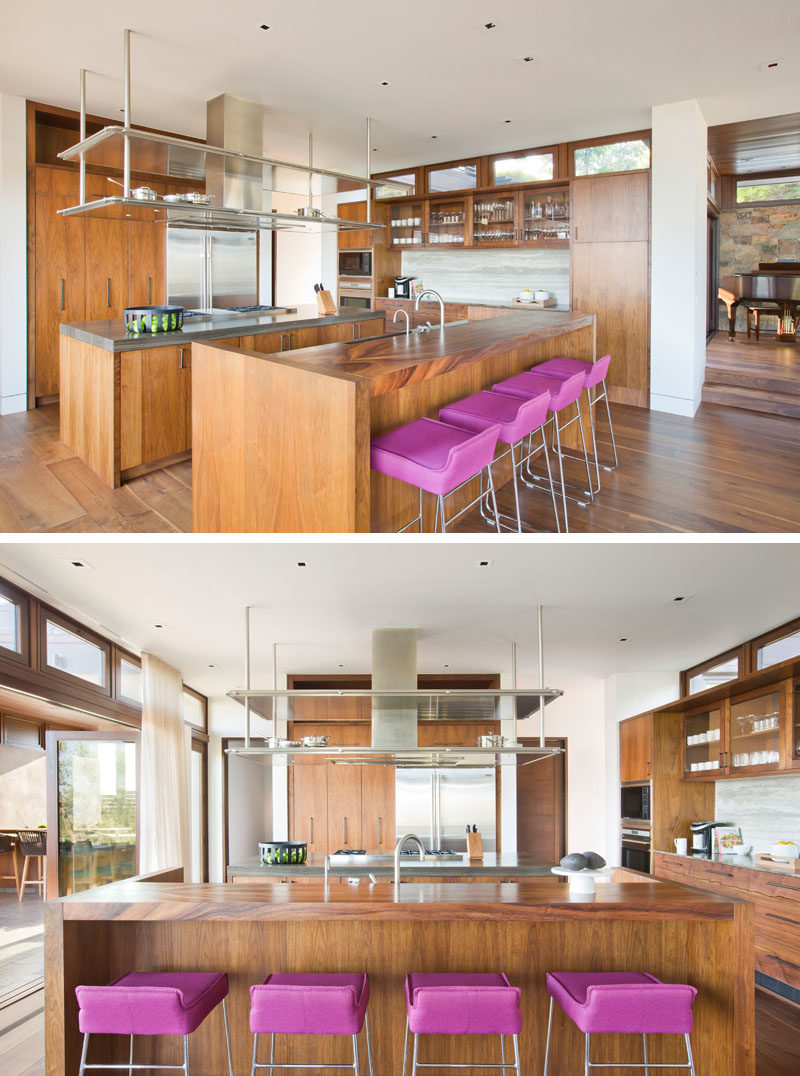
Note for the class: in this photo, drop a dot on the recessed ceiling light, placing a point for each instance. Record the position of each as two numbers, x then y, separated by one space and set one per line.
159 625
484 564
302 564
212 666
384 83
678 598
489 24
434 136
624 639
341 665
263 26
77 562
527 59
769 65
506 121
445 666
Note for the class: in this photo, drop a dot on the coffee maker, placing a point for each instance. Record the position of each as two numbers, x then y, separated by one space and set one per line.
701 837
404 287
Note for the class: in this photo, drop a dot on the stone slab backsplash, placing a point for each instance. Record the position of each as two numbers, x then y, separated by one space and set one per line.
752 234
490 275
767 809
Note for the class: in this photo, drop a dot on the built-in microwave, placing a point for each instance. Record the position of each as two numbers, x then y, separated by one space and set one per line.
356 263
635 802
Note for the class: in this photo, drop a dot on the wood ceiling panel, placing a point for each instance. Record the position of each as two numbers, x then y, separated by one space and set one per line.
764 145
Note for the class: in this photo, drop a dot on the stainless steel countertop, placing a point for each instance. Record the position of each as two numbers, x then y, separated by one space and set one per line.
111 335
493 864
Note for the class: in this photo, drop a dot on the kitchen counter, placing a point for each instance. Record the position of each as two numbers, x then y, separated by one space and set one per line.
308 470
493 864
113 336
748 862
523 929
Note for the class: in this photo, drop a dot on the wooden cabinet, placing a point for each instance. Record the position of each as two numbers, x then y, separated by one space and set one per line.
704 743
377 808
155 385
59 284
611 208
106 268
636 749
344 807
147 264
610 274
449 223
310 806
544 219
407 225
746 736
494 220
357 239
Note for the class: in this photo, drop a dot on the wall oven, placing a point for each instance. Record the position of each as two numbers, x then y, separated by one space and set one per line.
634 802
356 263
635 849
354 295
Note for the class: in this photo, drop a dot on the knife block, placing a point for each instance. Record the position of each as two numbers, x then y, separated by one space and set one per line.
325 303
474 846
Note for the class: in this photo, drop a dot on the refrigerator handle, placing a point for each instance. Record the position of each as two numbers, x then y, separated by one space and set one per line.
434 792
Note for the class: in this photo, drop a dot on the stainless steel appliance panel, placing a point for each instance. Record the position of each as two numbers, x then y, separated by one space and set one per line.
414 803
186 267
233 268
466 797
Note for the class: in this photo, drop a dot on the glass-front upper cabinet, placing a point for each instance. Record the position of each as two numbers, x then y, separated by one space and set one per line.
755 732
447 222
494 219
703 743
406 225
545 217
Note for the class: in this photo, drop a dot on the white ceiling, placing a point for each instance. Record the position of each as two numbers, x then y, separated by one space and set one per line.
598 68
321 616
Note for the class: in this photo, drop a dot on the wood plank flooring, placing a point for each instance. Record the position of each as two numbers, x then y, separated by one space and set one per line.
777 1049
725 470
761 375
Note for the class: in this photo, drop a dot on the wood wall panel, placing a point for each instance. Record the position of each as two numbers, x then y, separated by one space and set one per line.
89 403
61 243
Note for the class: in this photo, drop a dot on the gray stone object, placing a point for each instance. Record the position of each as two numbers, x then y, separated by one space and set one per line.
575 862
594 861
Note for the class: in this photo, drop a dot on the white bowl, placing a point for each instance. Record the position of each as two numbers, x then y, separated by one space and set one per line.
738 850
784 851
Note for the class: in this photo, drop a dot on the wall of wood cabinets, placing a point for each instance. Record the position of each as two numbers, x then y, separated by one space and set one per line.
636 748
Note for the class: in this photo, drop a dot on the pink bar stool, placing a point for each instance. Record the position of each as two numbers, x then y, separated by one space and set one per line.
462 1003
151 1003
518 419
594 374
622 1003
309 1004
563 394
437 458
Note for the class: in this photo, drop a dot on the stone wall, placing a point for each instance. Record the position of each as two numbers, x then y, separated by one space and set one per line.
752 234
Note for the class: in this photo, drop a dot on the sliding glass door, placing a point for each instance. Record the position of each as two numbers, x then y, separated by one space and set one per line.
92 809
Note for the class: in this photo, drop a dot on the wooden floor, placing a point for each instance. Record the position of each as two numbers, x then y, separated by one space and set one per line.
777 1038
724 470
758 375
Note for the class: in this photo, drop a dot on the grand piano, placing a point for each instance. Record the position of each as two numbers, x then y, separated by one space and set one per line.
774 288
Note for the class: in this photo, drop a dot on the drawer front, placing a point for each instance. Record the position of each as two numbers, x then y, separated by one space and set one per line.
783 886
778 966
714 877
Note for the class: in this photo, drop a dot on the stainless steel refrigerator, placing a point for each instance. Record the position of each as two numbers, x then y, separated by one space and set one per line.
439 804
211 269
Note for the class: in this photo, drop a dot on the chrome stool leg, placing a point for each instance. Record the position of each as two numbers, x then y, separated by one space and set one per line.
516 501
255 1054
550 481
272 1054
503 1054
356 1069
84 1050
186 1054
494 499
405 1049
689 1055
369 1044
517 1065
227 1037
586 1065
610 428
130 1058
644 1048
594 441
585 453
561 475
414 1056
547 1044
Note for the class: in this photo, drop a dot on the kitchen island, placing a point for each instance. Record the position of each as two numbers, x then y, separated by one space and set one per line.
498 866
281 442
524 929
126 398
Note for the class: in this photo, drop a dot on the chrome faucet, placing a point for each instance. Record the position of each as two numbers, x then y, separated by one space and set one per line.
436 295
400 845
405 313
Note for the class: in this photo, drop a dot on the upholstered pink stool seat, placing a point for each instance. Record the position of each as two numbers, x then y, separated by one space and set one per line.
434 456
563 393
594 375
622 1002
151 1003
309 1004
517 417
462 1003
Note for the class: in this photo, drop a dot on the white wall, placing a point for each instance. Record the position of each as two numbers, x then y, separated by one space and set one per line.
13 257
249 806
679 263
628 694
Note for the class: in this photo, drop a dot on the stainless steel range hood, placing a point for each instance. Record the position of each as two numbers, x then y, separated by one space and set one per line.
237 125
394 665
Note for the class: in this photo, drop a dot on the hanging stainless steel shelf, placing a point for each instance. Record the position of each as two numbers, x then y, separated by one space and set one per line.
404 758
203 216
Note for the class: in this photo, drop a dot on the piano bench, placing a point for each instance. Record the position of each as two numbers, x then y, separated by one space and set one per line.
753 315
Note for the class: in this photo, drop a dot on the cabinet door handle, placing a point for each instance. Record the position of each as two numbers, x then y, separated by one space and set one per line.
63 286
380 830
108 291
782 885
647 769
284 338
311 829
344 832
181 364
783 918
149 289
576 233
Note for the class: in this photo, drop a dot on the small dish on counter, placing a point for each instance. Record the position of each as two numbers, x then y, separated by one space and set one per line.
315 741
738 850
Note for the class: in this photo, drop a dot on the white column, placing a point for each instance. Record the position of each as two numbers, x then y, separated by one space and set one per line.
13 257
679 262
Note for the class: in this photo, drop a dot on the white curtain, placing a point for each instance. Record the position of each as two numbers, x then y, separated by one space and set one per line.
164 811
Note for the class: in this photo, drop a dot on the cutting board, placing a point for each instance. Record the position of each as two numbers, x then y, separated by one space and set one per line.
540 305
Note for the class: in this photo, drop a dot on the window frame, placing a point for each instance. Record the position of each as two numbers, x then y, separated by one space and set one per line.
121 655
428 168
203 699
48 614
739 652
22 601
744 177
39 725
609 140
791 627
395 172
514 155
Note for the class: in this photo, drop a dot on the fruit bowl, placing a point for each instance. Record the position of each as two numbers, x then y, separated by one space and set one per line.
784 850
